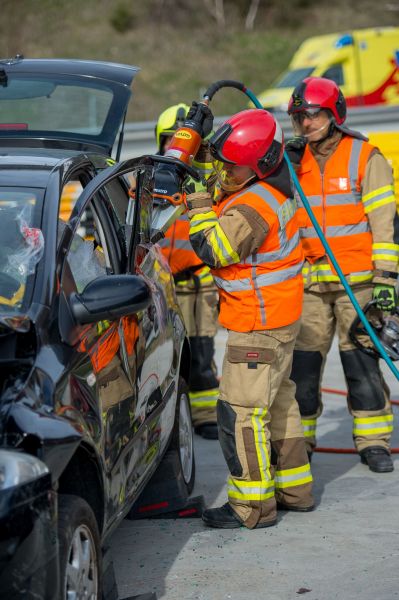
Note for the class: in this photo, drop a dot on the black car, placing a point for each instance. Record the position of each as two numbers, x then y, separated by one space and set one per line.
94 357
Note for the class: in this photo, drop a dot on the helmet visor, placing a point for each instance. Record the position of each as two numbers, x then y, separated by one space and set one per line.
309 113
230 177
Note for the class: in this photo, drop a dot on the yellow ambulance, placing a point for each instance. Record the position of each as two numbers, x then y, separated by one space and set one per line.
363 62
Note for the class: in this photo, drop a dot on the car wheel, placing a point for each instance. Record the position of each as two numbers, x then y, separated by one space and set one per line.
80 550
182 437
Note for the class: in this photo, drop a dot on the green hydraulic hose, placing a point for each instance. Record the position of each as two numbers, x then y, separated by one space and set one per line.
331 256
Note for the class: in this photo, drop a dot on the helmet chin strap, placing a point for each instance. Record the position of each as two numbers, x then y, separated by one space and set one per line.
330 128
234 187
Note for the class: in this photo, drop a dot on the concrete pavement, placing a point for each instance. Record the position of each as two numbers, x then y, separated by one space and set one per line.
347 549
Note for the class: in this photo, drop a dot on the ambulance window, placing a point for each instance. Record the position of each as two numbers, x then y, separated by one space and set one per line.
292 78
335 73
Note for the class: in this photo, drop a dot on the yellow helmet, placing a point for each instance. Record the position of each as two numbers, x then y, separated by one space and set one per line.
168 121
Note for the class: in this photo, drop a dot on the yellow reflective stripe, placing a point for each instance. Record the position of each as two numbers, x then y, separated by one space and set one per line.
378 192
366 420
203 403
372 425
203 221
374 431
259 428
287 472
293 477
385 251
393 259
221 246
206 279
309 427
300 481
198 399
385 246
360 277
250 490
378 203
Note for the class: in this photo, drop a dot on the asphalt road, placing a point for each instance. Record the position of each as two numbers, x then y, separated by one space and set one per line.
347 549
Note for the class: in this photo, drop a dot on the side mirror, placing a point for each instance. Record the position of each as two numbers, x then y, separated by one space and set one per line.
110 297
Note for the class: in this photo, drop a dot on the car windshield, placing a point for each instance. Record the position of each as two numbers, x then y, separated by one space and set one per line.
22 246
292 78
40 104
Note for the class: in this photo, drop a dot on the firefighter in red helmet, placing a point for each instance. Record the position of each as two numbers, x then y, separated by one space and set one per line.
249 239
350 188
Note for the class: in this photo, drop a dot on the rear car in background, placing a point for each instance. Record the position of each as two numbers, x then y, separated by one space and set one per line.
93 352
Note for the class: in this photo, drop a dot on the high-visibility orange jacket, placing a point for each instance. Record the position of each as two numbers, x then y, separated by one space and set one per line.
178 251
176 247
336 200
265 290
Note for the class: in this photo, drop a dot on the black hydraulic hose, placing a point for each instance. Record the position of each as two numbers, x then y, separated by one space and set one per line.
217 85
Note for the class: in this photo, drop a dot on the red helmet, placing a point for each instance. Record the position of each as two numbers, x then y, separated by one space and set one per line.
251 138
318 92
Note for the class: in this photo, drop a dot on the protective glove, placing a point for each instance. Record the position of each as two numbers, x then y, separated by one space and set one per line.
295 148
202 116
199 200
386 296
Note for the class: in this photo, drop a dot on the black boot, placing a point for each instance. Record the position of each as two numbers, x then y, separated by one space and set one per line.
209 431
282 506
224 517
377 458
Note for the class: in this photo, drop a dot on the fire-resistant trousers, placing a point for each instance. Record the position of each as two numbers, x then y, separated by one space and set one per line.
368 395
200 314
256 410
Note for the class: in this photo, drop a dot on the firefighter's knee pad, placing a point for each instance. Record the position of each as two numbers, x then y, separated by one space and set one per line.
306 373
227 437
364 380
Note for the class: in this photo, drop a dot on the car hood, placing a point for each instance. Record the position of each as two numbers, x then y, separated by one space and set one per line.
71 104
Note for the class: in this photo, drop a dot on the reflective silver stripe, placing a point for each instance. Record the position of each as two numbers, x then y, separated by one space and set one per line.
244 285
371 426
337 230
285 478
394 253
285 250
259 295
280 276
341 199
354 165
264 194
233 285
313 201
179 244
183 245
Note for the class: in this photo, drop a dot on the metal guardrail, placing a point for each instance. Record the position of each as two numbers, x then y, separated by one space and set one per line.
140 139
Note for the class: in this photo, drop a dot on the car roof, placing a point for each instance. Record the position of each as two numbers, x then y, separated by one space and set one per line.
75 104
35 165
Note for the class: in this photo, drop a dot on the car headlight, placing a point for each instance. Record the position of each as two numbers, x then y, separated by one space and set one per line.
18 468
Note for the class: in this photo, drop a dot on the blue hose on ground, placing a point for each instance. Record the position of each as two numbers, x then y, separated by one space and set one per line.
332 258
